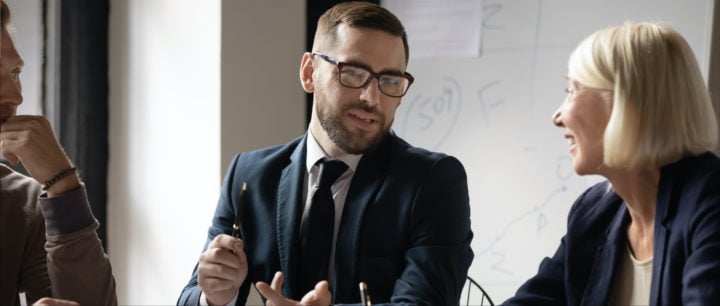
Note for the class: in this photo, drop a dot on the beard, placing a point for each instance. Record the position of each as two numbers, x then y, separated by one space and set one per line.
357 142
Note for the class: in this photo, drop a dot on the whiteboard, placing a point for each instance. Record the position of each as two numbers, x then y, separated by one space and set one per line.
493 113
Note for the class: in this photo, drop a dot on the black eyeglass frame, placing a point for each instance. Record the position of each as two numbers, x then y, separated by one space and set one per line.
373 74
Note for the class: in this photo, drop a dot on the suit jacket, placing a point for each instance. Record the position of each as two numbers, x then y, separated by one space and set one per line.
686 250
405 228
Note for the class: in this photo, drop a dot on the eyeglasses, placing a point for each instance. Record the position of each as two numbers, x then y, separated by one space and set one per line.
391 84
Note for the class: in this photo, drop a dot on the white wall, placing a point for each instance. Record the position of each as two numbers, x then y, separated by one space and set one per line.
171 116
164 142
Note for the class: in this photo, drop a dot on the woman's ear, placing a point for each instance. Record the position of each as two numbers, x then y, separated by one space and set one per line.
307 67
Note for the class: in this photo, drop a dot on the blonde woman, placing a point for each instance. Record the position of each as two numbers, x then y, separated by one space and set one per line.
638 113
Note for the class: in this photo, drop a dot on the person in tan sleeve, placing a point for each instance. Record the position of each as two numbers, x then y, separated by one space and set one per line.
50 248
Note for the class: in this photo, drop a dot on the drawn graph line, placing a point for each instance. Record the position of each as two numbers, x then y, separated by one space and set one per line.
542 221
535 210
536 42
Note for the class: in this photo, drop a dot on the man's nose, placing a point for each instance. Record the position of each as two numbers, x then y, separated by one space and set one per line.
371 92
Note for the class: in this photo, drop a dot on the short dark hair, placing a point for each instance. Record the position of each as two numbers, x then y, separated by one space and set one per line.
362 15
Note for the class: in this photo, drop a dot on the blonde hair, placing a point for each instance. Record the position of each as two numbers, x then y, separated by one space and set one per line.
662 110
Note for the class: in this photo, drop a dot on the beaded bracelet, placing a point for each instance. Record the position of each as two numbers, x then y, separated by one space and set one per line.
58 177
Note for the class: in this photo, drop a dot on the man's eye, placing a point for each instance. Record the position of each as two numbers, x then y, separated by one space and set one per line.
353 72
394 81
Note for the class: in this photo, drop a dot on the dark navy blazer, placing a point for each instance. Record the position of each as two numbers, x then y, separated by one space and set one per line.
686 252
405 228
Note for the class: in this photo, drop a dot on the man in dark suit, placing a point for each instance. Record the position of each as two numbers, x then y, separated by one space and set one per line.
401 214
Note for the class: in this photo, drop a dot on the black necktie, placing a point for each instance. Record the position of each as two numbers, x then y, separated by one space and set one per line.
316 231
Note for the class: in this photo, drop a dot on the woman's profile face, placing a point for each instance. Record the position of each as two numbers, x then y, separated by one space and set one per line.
583 115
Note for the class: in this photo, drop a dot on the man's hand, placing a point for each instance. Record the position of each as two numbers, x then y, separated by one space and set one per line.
30 140
320 296
222 269
54 302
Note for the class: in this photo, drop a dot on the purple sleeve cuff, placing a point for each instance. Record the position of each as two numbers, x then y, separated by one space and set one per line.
66 213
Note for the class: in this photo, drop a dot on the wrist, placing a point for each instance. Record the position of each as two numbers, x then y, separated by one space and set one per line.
63 185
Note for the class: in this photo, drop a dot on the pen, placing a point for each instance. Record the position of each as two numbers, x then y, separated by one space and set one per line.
236 225
364 296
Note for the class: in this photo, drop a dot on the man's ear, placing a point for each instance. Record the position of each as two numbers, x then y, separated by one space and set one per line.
307 67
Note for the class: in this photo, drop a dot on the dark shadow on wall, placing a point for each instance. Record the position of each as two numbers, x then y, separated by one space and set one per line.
714 71
83 96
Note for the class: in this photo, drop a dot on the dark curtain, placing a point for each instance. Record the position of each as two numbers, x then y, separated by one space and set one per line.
313 11
83 96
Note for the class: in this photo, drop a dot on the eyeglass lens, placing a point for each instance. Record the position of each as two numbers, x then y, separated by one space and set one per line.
356 77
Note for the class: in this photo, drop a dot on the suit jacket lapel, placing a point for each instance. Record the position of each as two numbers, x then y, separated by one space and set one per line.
289 211
660 239
369 175
662 231
607 257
